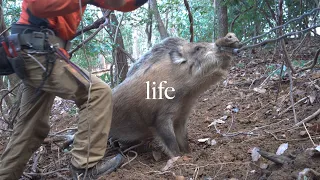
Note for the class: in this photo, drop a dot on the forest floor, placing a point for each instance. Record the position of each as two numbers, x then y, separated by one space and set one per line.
249 110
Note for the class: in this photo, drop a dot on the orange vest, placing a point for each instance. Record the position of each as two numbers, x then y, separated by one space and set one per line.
63 16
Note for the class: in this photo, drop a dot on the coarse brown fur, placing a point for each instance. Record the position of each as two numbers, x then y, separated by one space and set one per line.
189 68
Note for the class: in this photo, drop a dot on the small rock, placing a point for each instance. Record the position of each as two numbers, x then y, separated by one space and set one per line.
229 106
212 142
264 166
303 133
225 117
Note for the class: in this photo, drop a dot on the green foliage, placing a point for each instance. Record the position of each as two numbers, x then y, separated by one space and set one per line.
299 63
275 71
105 77
73 110
11 11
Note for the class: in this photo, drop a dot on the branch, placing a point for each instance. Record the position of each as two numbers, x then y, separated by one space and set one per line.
117 29
190 19
271 11
8 92
315 60
291 98
307 119
302 174
277 27
95 24
300 45
4 32
127 54
274 40
278 159
101 26
48 173
237 16
286 57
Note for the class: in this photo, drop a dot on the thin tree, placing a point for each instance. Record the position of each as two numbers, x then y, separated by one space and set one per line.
190 19
162 30
221 10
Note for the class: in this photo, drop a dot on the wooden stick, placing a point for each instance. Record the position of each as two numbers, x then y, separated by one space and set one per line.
307 119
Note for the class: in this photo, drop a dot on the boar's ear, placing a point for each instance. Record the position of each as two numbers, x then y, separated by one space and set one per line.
177 57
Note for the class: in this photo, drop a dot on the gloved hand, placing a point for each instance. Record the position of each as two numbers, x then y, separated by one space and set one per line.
5 66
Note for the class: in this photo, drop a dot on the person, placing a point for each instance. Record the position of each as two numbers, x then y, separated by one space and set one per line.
40 59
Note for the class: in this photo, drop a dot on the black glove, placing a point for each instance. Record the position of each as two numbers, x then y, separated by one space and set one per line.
5 66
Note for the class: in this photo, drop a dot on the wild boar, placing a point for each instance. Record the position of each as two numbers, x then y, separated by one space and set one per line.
142 109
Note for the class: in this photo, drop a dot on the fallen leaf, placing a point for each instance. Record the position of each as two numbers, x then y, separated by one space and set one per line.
156 155
170 163
312 98
225 117
255 154
203 140
260 90
282 148
217 121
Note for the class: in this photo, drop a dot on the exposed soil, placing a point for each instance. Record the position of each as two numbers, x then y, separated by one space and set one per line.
252 119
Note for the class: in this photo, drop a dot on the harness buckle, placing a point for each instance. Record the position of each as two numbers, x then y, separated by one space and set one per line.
38 40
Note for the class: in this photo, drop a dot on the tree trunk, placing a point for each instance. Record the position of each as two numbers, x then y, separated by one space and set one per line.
190 20
222 18
149 25
2 23
120 58
162 30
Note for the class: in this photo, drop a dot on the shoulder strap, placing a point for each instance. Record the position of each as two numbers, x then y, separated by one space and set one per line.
41 22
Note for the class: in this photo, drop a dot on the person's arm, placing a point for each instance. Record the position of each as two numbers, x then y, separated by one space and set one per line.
119 5
52 8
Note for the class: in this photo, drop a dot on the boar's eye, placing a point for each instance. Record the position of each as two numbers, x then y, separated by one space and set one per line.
197 48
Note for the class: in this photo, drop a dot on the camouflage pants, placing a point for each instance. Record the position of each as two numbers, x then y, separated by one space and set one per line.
32 125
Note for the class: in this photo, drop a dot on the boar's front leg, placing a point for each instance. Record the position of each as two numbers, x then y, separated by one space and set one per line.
165 134
180 129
